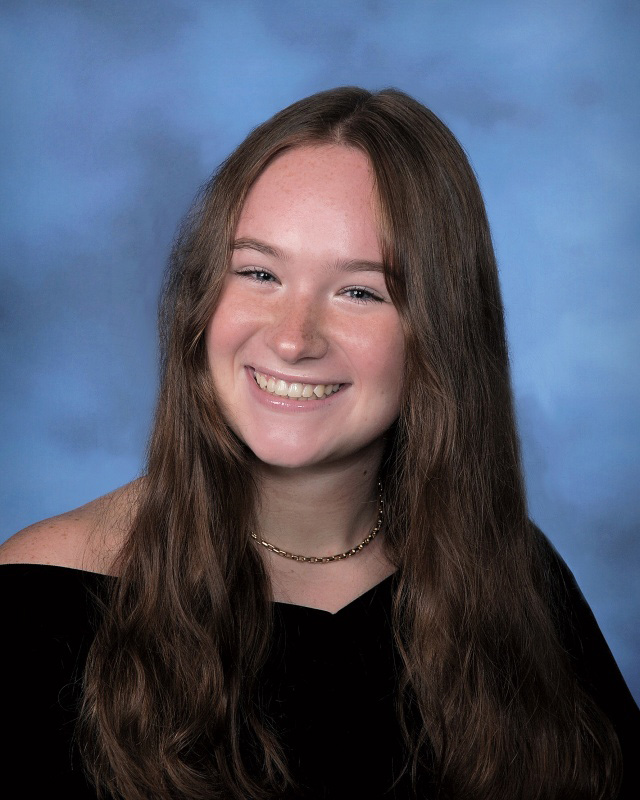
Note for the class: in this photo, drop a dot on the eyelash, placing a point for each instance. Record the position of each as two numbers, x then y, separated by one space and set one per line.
254 273
371 297
263 276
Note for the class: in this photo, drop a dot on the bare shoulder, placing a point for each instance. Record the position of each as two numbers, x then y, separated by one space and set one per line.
87 538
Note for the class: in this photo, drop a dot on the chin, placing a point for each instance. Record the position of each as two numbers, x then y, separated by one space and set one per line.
285 460
287 455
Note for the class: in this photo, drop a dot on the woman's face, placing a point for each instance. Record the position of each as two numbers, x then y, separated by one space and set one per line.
305 346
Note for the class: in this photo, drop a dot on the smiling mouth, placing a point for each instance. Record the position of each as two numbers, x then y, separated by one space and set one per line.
297 391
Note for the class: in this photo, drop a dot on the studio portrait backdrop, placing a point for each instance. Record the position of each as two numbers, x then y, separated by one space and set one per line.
114 114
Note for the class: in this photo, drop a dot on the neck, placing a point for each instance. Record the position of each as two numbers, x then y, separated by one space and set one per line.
318 513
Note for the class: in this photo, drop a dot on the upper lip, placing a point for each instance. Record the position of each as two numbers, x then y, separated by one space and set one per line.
293 378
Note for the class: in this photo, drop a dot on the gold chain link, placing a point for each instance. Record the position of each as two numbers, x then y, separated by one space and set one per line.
339 556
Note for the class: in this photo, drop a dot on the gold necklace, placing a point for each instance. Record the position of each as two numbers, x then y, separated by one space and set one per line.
339 556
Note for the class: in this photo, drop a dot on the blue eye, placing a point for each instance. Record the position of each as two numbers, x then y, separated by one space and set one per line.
361 295
259 275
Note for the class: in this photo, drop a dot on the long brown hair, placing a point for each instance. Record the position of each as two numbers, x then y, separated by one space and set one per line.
487 698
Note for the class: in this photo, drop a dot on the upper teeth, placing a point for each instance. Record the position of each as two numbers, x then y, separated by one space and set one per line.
297 390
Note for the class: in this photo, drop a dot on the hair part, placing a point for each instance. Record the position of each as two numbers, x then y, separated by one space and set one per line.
487 700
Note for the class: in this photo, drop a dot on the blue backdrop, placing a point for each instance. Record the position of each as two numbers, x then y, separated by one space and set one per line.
113 113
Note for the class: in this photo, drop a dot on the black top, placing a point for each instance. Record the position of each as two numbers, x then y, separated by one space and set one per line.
331 677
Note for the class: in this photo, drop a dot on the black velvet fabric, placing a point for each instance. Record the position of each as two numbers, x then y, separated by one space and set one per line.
330 680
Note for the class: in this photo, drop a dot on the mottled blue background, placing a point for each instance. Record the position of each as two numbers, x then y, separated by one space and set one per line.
113 113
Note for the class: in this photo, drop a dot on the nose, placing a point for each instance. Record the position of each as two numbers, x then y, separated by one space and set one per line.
297 331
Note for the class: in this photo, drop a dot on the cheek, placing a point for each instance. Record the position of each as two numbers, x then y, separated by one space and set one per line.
383 367
227 329
389 355
217 335
216 342
221 346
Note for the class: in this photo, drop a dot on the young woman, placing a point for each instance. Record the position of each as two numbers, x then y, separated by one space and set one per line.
325 584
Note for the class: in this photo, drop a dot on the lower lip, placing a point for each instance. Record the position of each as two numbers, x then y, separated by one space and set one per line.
277 403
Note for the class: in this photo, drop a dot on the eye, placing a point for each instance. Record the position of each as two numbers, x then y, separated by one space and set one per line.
258 275
361 295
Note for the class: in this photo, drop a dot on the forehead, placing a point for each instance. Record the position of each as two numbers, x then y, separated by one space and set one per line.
316 192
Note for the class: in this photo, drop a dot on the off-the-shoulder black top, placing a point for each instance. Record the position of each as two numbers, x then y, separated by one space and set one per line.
331 680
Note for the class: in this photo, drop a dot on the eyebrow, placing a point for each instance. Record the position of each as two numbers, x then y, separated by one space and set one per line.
359 265
261 247
352 265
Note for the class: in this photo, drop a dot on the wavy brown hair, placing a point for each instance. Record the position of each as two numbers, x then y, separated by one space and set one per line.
487 699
